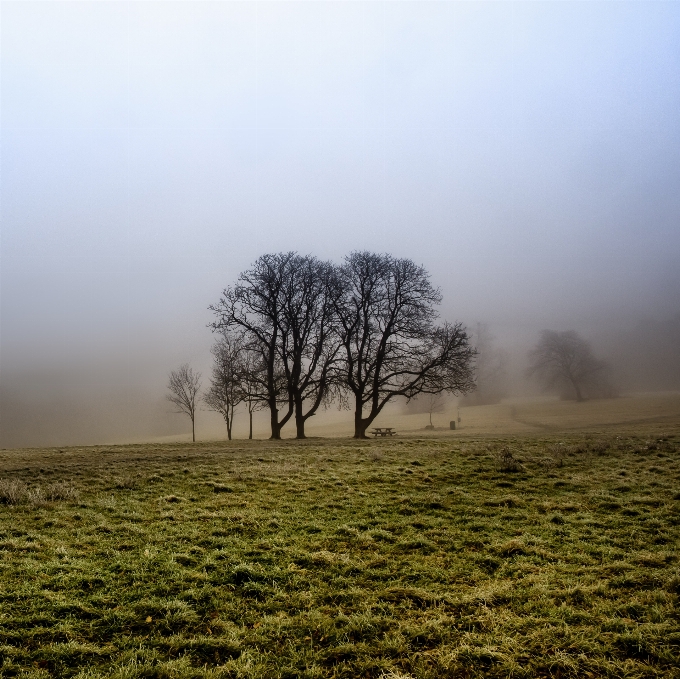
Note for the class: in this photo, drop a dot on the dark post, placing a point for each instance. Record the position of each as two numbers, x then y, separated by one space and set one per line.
452 424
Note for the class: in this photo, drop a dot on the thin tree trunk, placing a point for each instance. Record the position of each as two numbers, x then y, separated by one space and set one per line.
250 417
193 430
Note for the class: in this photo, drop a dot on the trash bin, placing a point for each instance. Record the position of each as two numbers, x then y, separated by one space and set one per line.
452 424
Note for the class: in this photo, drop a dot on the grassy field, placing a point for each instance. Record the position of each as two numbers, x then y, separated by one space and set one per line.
535 556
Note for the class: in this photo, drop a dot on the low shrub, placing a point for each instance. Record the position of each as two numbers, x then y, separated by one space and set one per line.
507 462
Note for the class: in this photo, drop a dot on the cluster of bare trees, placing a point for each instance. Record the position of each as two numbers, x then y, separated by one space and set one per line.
232 381
230 385
295 333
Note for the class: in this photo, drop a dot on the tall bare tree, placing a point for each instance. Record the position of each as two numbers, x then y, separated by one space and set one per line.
391 345
253 305
562 359
309 341
226 390
184 385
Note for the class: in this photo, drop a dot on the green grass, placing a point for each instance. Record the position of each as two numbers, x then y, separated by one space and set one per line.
335 558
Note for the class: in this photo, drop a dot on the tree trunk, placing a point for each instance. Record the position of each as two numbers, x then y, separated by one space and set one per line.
360 424
250 417
276 427
299 421
579 395
577 387
300 428
193 430
360 430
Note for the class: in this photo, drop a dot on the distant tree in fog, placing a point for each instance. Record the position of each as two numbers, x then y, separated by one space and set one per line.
226 391
426 404
564 360
435 404
490 370
391 345
184 386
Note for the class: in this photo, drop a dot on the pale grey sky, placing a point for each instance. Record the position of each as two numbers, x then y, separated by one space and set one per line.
527 153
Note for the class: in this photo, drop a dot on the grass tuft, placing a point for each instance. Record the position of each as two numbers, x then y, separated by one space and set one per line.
506 461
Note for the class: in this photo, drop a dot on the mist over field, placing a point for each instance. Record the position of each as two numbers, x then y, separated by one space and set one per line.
526 154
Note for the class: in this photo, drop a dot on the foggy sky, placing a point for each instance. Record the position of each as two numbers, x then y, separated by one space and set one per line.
527 154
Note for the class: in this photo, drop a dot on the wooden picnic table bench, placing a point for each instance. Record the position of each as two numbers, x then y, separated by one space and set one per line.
383 431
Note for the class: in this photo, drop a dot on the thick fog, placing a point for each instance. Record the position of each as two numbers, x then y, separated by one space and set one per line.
527 154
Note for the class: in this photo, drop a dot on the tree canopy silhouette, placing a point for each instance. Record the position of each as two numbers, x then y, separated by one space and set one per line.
565 359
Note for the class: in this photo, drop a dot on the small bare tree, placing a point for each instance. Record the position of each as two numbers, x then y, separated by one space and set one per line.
225 391
435 404
250 379
184 385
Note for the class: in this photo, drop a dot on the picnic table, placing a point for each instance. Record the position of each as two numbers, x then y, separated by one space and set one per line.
383 431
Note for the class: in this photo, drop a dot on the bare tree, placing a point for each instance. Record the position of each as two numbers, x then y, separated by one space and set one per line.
435 404
490 370
565 359
249 372
308 340
391 346
253 305
426 404
184 386
226 391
